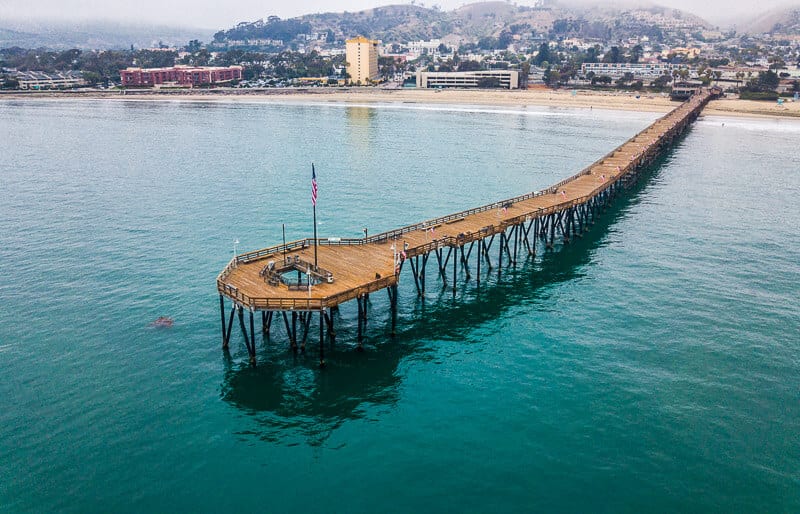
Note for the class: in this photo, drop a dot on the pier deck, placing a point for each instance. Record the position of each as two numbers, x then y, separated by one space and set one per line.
361 266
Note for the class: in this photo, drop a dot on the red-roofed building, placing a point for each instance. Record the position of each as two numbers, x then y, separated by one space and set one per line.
184 76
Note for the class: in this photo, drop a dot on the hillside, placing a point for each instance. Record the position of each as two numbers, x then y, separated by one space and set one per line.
777 21
398 23
390 23
492 18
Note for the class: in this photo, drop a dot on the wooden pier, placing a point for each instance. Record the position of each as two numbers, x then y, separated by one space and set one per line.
283 279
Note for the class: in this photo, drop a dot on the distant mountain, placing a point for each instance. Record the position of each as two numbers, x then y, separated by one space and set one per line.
486 19
641 8
778 21
391 23
15 38
94 35
398 23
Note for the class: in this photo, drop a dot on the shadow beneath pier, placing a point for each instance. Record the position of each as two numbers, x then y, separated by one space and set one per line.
294 402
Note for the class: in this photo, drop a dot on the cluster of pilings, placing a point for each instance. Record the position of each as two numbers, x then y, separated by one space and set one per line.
517 240
298 324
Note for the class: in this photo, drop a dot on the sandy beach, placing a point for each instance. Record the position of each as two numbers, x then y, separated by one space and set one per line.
581 99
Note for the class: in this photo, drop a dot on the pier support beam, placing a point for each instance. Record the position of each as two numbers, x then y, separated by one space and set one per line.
294 331
516 243
506 246
454 250
362 318
241 322
305 319
478 258
227 336
222 318
423 272
266 322
560 222
321 337
486 249
393 306
500 253
525 235
414 271
251 348
329 320
465 259
443 261
291 333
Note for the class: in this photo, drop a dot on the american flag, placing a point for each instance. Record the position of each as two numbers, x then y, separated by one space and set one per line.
313 186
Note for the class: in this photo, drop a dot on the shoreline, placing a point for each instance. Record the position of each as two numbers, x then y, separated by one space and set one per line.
580 99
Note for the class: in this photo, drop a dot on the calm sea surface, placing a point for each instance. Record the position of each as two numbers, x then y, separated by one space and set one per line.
652 366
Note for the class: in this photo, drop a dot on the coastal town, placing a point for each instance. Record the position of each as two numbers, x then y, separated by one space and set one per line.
654 50
333 255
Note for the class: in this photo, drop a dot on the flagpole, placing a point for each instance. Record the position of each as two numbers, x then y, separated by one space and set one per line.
314 203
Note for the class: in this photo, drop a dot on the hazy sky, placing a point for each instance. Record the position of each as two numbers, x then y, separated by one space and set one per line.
223 14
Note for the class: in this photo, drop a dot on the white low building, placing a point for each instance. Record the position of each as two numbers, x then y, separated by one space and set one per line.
41 80
417 48
639 70
507 79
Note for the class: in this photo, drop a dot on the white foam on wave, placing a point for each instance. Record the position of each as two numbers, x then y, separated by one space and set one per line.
780 125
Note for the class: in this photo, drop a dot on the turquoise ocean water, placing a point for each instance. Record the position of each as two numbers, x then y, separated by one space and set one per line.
653 365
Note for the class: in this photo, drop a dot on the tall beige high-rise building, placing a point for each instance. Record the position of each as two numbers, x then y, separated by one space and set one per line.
362 60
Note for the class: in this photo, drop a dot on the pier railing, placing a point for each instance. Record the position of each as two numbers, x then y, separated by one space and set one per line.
299 303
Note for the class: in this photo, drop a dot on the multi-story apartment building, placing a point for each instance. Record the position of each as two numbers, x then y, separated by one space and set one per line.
186 76
361 55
